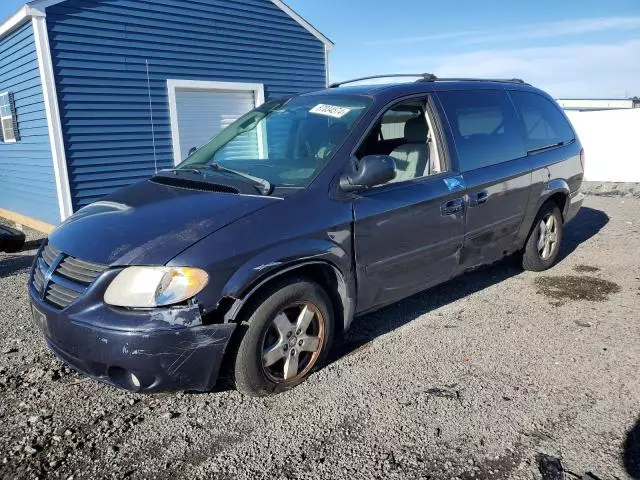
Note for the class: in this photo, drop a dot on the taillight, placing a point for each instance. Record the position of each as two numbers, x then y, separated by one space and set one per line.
582 158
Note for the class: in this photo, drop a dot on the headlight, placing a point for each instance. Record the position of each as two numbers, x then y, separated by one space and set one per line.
147 287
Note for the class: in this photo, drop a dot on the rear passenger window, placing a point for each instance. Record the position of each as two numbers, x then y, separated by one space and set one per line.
544 124
485 127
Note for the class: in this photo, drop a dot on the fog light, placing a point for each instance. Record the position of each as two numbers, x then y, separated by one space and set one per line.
135 381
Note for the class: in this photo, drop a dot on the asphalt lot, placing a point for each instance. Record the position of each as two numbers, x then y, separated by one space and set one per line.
472 379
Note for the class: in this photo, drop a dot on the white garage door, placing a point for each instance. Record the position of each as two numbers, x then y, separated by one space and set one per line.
201 113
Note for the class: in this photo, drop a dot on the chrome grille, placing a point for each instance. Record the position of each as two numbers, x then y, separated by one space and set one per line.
61 296
79 270
70 279
38 279
49 254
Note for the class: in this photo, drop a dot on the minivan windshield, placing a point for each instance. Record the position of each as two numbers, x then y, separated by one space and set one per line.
286 142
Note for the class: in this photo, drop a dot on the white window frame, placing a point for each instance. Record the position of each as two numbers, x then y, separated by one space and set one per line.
173 85
11 117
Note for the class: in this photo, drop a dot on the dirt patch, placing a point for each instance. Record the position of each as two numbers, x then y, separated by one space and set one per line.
502 467
583 324
443 393
586 269
570 287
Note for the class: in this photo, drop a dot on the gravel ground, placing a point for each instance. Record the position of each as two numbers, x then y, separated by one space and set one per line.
472 379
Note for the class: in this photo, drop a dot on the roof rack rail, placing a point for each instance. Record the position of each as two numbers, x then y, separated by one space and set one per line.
429 77
500 80
424 77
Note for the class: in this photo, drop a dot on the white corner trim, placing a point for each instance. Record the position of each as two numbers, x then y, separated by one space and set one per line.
327 68
53 116
22 16
14 21
298 18
173 85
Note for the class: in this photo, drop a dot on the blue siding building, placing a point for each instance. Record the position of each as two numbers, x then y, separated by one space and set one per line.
27 180
107 92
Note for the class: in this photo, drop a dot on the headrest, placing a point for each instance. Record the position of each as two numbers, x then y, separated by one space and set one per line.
415 130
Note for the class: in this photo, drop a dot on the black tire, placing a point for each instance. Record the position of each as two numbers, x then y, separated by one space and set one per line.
532 258
250 376
11 240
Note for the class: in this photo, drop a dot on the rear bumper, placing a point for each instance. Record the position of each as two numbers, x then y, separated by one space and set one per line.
149 360
574 205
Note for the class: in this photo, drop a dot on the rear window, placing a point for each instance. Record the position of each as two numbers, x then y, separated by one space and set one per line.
544 124
485 127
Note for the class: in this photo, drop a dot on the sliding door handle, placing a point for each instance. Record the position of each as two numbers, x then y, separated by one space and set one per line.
452 207
478 199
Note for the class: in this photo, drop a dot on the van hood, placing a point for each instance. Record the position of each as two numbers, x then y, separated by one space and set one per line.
149 223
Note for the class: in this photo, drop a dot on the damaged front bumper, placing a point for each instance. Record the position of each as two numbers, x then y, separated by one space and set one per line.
140 351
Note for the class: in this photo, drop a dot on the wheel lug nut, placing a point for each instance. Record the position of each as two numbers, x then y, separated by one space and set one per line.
293 353
298 332
289 335
286 347
301 342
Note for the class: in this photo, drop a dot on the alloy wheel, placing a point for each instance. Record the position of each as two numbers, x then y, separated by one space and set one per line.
293 342
547 237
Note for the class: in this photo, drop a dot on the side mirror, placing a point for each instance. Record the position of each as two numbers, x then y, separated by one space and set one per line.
372 170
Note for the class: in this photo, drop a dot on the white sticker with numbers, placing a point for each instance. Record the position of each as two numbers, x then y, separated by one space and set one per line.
330 110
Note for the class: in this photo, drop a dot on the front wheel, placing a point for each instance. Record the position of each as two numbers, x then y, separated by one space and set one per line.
543 244
288 335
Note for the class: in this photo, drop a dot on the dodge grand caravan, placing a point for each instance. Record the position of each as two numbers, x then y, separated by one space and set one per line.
266 242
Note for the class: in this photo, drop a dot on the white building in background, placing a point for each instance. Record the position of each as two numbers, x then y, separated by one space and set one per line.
610 141
584 105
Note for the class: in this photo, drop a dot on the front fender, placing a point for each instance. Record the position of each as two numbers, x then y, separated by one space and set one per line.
287 258
282 257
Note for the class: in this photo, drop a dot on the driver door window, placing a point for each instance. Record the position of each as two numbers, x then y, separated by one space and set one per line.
405 133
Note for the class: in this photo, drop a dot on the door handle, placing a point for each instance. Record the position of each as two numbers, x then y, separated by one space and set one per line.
452 207
479 199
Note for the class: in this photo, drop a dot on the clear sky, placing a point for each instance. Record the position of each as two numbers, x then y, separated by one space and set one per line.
572 48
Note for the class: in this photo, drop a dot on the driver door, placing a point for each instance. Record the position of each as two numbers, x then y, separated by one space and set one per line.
408 233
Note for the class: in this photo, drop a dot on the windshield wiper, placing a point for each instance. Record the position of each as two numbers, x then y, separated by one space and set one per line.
178 170
263 185
544 149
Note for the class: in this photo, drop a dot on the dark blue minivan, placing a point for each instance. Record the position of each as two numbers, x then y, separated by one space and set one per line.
265 243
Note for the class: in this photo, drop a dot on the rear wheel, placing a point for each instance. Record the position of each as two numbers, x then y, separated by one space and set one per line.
543 244
288 335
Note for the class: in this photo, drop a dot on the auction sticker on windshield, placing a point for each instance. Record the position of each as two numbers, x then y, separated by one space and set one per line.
330 110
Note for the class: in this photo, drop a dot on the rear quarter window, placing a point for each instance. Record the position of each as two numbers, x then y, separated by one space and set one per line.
544 123
485 127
